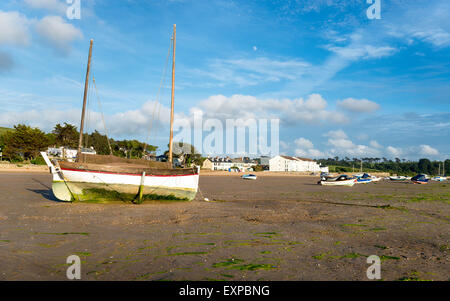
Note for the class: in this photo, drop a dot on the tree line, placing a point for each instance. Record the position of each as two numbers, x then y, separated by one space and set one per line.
398 166
25 143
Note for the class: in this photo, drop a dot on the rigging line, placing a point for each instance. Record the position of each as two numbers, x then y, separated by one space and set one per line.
101 112
159 97
160 105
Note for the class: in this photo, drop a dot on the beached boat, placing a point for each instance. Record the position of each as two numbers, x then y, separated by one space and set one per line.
249 177
342 180
398 178
103 178
363 178
439 178
420 179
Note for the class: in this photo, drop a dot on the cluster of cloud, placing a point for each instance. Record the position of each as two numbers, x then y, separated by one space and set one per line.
55 6
423 149
17 30
252 71
358 105
339 144
131 123
312 110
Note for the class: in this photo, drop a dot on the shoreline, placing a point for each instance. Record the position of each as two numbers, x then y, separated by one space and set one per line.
31 168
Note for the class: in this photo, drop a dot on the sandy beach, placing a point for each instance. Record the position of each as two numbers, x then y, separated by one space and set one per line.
274 228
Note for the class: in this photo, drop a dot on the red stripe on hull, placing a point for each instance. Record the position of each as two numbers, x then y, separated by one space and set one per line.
125 174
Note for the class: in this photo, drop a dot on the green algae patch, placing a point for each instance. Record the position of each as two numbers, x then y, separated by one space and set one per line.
386 257
377 229
413 276
353 225
100 195
83 253
389 207
266 234
227 263
430 197
148 275
253 267
380 247
352 255
4 240
187 253
321 256
265 252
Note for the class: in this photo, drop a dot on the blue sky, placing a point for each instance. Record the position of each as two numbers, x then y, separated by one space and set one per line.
340 83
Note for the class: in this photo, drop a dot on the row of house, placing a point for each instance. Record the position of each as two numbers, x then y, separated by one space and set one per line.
287 163
68 153
227 163
277 163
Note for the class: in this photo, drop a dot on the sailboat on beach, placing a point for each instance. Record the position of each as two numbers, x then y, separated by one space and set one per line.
108 178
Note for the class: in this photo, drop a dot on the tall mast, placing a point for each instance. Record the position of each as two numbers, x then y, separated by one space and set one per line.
173 92
86 84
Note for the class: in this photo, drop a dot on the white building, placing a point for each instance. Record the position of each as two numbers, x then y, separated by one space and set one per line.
242 164
286 163
69 153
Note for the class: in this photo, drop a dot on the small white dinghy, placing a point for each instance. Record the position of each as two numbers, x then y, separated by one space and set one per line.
249 177
342 180
398 178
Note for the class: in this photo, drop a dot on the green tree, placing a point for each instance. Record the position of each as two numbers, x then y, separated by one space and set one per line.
99 142
24 143
425 166
447 167
66 135
188 152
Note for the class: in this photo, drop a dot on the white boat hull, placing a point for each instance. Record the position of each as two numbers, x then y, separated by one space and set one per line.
102 187
338 183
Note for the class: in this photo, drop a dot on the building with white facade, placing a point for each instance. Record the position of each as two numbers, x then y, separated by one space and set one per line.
286 163
68 153
227 163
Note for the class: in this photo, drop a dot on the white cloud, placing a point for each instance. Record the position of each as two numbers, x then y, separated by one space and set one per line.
428 150
14 29
358 105
130 124
354 52
56 32
430 23
375 144
341 145
49 5
305 148
395 152
252 71
290 111
337 134
303 143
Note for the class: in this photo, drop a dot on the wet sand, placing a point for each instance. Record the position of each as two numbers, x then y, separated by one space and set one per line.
274 228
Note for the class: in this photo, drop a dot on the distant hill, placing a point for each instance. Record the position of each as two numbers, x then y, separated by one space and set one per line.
3 130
